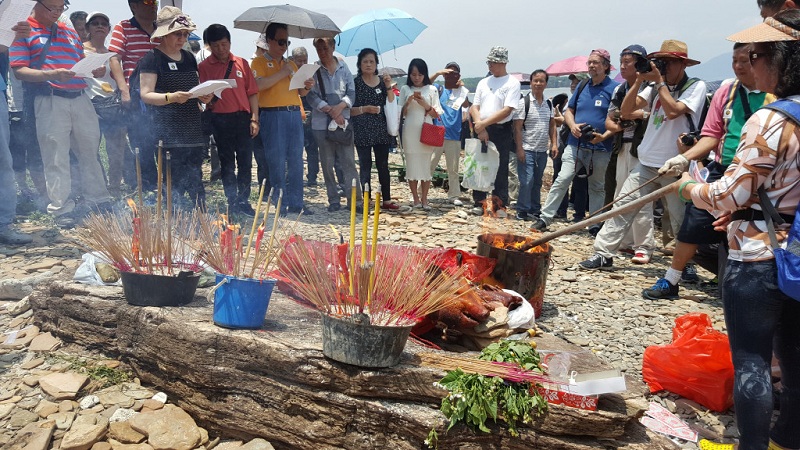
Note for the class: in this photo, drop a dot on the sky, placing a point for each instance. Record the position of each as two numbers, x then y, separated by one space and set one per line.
536 33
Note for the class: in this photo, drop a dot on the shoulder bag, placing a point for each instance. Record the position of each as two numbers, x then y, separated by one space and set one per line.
207 116
343 136
432 134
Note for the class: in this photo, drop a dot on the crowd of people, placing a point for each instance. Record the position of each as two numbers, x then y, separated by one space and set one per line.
607 141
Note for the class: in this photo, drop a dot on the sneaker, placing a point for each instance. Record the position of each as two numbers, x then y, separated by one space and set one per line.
689 274
560 215
597 261
426 207
457 202
311 183
333 207
522 215
594 229
627 251
341 192
10 236
477 210
65 221
662 290
390 206
539 225
501 214
640 258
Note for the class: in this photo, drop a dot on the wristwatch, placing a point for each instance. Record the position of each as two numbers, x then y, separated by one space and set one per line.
658 86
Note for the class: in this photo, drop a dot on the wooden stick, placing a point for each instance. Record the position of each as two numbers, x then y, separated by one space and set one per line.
159 164
634 205
139 177
255 222
168 251
623 196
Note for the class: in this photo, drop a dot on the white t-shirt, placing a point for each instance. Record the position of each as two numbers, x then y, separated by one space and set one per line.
495 93
660 140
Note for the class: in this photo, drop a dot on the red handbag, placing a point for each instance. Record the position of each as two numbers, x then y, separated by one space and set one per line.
432 135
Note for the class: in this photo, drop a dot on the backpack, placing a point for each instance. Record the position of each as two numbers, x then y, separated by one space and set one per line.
703 112
638 133
788 259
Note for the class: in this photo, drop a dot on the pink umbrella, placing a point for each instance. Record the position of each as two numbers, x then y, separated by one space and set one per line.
576 64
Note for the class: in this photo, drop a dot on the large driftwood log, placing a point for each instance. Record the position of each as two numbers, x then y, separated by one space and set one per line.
276 384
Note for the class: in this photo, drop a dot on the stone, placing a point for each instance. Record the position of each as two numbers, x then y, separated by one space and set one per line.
203 436
152 405
5 409
20 338
17 289
160 397
136 392
63 420
115 397
89 401
32 364
44 264
12 400
122 414
20 307
116 445
66 406
45 408
30 380
44 343
62 386
21 417
229 445
258 444
34 436
82 436
168 428
122 432
101 446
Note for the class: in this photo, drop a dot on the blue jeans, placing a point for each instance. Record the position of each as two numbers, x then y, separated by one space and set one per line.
282 134
760 319
8 186
530 182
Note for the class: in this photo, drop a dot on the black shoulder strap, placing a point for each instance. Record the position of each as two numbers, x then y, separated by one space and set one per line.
527 100
578 94
686 85
742 94
228 70
321 84
40 59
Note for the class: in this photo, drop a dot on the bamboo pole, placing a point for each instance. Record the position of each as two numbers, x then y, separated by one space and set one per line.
168 251
636 204
139 178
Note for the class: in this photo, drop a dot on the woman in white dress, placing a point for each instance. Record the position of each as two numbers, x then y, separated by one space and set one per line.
420 102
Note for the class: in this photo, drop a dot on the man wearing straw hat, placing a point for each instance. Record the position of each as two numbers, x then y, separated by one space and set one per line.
675 102
64 113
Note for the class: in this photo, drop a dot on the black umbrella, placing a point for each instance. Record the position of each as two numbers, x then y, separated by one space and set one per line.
393 71
301 23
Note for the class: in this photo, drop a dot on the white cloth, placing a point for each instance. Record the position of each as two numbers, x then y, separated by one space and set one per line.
659 143
495 93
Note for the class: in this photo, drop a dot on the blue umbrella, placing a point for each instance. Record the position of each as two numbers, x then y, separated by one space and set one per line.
194 37
380 29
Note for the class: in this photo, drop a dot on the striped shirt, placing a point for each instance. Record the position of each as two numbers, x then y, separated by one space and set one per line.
64 52
536 130
130 42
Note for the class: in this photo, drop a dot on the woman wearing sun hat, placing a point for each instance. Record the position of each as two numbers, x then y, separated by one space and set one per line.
167 74
760 318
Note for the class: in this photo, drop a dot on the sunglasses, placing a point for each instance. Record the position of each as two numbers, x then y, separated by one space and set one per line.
283 42
755 55
150 2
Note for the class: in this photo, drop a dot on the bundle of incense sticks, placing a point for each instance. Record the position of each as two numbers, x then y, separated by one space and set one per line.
507 371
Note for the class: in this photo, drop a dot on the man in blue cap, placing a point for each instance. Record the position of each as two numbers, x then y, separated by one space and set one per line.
629 134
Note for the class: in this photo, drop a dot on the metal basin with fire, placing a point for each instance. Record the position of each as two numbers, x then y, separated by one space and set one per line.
520 267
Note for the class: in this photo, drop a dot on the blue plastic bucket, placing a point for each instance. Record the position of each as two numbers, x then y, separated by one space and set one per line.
241 302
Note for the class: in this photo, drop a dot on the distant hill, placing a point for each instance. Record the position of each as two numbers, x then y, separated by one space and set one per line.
716 68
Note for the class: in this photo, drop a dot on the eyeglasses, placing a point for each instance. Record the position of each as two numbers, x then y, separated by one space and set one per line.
181 34
755 55
55 10
283 42
592 62
150 2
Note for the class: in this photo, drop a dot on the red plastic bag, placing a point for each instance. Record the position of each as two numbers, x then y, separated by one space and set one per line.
696 365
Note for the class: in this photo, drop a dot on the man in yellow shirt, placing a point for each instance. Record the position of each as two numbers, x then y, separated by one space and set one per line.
280 118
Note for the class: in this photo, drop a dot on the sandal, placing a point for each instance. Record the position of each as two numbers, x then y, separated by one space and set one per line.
705 444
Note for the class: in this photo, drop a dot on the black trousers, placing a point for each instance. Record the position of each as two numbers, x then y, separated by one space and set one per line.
381 162
503 137
235 149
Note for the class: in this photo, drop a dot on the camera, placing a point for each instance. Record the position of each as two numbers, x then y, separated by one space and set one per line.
643 65
587 132
689 139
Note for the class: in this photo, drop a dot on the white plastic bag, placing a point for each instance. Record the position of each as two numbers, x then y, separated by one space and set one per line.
392 111
87 273
480 168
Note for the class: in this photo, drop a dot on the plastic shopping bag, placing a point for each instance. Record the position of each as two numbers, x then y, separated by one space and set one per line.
481 162
696 365
392 111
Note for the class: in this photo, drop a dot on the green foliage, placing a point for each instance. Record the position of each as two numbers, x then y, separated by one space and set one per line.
474 398
96 371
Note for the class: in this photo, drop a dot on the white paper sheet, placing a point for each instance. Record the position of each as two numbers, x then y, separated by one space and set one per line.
11 13
210 87
84 67
302 74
